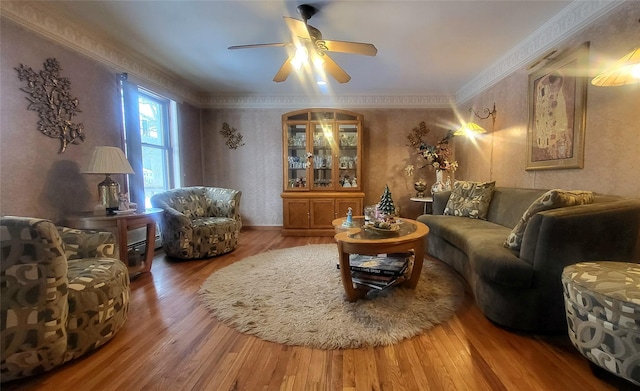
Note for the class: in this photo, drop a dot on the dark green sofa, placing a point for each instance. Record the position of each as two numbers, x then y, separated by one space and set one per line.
523 289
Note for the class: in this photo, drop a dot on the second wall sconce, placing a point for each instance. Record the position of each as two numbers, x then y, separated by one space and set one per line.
625 71
488 113
471 128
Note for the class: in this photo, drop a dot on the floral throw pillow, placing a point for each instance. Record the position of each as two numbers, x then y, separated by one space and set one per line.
470 199
556 198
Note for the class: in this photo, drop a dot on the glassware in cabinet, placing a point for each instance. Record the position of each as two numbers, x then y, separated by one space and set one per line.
348 146
296 166
323 142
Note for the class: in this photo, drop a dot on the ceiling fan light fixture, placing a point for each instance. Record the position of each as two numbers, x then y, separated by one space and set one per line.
318 61
301 57
308 43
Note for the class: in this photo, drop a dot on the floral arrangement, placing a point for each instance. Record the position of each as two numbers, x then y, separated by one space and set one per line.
436 156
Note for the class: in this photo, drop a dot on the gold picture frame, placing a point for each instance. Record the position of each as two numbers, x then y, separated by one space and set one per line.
557 112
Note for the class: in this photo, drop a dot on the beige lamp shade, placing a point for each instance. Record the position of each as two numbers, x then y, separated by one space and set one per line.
624 71
108 160
469 128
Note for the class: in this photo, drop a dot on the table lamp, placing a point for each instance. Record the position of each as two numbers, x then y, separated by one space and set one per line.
107 161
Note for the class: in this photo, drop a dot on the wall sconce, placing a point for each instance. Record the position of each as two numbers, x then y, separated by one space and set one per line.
625 71
489 113
471 128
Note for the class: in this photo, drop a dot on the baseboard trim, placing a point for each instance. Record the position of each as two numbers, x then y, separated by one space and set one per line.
261 228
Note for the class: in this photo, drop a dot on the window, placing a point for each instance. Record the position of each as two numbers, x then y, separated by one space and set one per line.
156 147
149 122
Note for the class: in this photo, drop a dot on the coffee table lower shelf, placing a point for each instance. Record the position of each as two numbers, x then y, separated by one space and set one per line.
349 243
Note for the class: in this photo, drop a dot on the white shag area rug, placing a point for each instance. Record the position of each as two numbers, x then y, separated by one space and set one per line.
294 296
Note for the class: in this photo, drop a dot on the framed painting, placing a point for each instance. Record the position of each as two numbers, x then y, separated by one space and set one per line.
557 112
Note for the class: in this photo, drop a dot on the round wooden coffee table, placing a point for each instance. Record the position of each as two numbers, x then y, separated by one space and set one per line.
356 240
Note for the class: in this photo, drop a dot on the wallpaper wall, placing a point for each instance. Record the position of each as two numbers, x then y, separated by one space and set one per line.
612 133
256 167
37 181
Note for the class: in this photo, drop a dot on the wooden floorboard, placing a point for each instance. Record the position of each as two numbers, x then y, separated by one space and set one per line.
172 342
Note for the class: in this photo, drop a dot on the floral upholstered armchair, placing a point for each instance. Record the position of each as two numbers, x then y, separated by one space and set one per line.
199 222
63 294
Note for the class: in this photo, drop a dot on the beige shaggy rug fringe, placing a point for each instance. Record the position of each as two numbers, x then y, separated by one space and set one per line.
294 296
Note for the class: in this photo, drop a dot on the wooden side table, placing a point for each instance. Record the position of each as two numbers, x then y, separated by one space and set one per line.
121 224
428 203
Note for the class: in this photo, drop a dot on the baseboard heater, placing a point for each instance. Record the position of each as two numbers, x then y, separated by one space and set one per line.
137 240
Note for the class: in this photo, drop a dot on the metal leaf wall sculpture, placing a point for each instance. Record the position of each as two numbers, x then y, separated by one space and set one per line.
50 95
234 140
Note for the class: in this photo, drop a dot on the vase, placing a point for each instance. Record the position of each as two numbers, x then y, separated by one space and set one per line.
420 187
447 184
439 184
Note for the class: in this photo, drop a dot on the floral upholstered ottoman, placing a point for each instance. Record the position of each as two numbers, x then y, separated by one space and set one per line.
602 302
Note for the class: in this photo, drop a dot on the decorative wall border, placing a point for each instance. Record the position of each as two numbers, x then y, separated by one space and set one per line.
575 16
572 18
350 101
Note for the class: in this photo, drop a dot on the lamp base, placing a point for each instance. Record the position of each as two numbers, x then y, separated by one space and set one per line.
109 194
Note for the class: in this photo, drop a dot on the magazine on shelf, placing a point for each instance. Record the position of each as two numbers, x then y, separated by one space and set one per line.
384 264
375 281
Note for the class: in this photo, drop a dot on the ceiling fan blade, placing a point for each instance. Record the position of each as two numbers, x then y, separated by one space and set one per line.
366 49
257 45
298 28
334 70
284 71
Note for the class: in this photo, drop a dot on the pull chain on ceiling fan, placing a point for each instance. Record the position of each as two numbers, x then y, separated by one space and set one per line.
309 43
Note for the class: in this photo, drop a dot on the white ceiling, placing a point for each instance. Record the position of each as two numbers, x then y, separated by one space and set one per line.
424 47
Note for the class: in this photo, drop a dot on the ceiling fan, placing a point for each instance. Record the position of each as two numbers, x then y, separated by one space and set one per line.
309 45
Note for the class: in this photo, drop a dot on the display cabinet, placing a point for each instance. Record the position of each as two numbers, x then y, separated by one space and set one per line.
322 169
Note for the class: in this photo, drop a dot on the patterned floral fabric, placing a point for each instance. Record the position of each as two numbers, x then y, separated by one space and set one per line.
199 222
552 199
80 243
602 301
470 199
55 309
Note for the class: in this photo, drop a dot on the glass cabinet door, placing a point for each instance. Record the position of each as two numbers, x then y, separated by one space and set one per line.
297 163
348 163
322 159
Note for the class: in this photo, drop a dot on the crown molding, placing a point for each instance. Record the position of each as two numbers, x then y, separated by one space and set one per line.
61 30
349 102
575 16
56 27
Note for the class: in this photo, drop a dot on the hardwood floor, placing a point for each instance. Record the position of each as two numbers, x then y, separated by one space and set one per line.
171 342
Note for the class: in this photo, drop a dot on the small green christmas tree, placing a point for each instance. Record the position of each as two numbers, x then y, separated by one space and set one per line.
386 205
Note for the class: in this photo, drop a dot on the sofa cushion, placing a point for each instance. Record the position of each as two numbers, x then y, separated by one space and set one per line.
470 199
482 241
508 204
556 198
